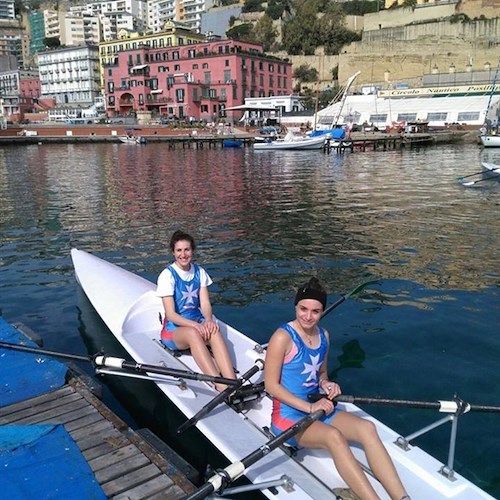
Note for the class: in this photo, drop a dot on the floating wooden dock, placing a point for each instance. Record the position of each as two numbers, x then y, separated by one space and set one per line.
124 463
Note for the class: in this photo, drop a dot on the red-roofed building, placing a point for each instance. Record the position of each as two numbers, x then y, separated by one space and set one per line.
196 81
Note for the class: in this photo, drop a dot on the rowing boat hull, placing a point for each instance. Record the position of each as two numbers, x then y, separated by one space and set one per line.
128 305
491 167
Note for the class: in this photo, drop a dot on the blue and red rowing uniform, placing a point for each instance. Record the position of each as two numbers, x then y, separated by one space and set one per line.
300 376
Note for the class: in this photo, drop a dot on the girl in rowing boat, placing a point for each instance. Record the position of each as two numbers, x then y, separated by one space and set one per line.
296 366
189 323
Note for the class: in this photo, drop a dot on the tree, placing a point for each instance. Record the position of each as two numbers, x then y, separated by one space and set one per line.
265 32
242 32
52 42
305 73
316 23
252 6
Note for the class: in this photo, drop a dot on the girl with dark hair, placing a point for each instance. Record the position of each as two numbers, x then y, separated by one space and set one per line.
189 322
296 366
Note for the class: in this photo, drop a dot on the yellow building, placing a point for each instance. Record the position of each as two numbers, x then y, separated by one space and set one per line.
173 34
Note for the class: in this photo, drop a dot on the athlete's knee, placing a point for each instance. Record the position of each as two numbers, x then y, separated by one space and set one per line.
334 438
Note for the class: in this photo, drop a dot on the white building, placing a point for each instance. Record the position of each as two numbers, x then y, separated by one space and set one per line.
440 106
188 12
70 75
7 10
282 103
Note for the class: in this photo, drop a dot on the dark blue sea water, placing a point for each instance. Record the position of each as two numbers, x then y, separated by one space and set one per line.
265 222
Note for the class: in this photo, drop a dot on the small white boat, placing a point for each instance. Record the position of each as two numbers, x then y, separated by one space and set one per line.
292 142
128 305
490 141
132 139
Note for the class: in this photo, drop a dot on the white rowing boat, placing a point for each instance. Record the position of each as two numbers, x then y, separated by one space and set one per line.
127 303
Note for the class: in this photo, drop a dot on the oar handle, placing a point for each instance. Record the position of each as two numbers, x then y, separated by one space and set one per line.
222 396
233 471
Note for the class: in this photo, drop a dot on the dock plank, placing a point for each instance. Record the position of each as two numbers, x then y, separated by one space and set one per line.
124 464
116 470
127 481
145 490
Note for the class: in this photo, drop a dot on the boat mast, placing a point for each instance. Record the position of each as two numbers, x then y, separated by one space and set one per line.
344 97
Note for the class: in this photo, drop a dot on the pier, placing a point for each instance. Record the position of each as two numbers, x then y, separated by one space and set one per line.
126 464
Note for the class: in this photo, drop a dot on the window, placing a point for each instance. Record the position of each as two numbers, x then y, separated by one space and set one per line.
223 94
204 108
467 116
180 41
141 98
407 117
271 68
191 53
170 82
111 100
179 95
130 60
110 72
177 67
111 87
271 81
138 58
195 94
212 93
175 54
226 62
195 66
227 75
205 66
437 117
377 118
207 76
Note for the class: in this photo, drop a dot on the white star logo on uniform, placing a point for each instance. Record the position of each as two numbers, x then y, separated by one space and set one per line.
312 368
190 294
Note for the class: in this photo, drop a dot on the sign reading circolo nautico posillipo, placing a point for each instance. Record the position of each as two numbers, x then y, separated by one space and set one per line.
458 90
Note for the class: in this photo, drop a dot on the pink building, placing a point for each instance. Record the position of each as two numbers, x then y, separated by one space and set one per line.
197 81
30 87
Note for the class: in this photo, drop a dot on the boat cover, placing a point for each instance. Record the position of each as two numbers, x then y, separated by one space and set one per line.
25 375
43 461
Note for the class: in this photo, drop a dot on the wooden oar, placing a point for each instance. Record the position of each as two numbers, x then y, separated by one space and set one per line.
471 183
235 470
454 406
111 362
222 396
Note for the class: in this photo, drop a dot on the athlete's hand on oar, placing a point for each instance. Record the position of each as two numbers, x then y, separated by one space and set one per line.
323 404
331 389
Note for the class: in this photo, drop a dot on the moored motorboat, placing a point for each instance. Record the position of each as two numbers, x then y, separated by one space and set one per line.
132 139
292 142
128 305
490 141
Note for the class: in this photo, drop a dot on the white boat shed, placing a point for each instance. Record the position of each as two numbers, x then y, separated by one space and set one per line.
464 105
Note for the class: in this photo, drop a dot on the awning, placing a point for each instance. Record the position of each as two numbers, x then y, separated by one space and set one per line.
140 66
157 91
250 107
